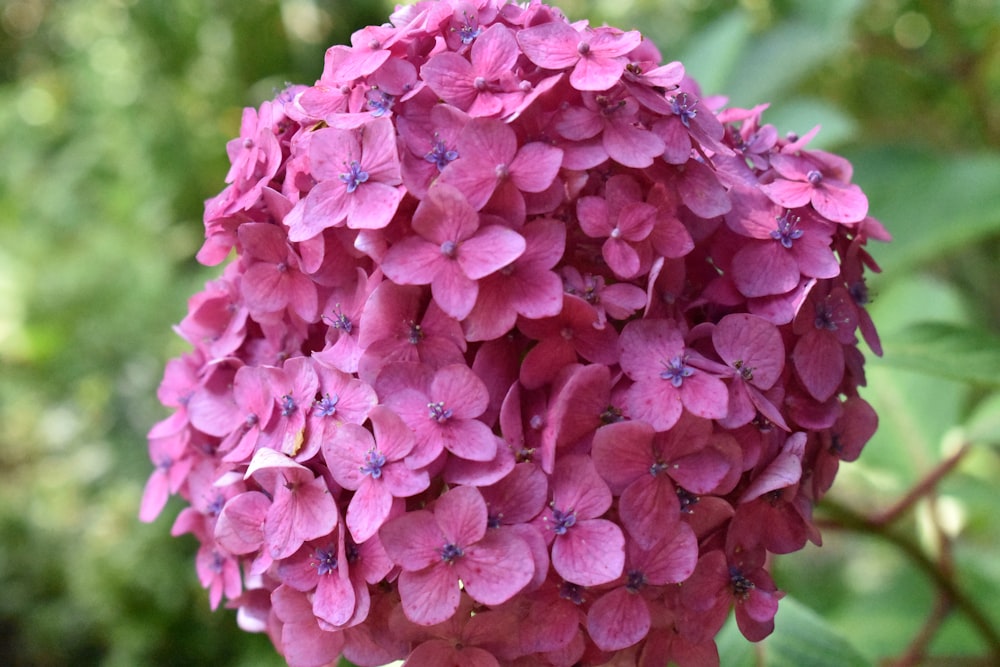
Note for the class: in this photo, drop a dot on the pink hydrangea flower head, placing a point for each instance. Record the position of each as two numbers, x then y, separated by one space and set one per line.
525 352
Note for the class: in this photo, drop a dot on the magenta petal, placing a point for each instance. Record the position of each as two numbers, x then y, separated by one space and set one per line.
551 45
491 248
754 342
591 553
705 396
649 509
240 526
453 291
819 362
494 569
334 598
790 194
413 540
535 166
763 268
840 203
306 512
368 509
413 261
450 76
618 619
373 205
623 452
430 596
469 439
461 514
654 401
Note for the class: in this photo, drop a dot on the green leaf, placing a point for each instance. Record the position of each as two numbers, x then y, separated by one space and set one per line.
932 204
983 425
801 638
716 51
948 350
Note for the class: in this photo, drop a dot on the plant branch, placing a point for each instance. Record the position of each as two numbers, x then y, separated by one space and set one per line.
849 519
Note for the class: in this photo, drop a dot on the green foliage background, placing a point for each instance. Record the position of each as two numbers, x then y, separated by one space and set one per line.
113 120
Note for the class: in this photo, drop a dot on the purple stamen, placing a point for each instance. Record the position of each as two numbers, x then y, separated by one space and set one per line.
374 460
327 405
786 232
354 177
676 370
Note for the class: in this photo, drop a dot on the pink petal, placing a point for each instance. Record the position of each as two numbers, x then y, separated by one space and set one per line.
596 72
373 205
469 439
790 194
535 166
753 341
591 553
764 268
453 291
334 598
306 513
368 509
618 619
551 45
819 362
429 596
240 526
649 509
413 261
494 52
623 452
496 568
450 76
840 203
413 540
654 401
490 249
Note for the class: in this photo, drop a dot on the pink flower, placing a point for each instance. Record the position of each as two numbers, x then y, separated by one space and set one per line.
302 508
451 251
528 353
442 413
820 179
475 87
586 550
489 159
655 358
373 468
358 173
596 56
436 549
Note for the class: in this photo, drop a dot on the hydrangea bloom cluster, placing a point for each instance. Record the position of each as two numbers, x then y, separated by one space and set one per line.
527 353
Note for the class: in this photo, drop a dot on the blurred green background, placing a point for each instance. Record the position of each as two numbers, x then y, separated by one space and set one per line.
113 120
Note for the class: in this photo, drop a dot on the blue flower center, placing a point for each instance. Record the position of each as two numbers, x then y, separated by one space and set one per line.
467 32
325 561
327 405
354 176
676 370
440 155
687 499
562 521
450 552
786 231
635 581
380 103
288 406
682 106
374 460
438 412
741 585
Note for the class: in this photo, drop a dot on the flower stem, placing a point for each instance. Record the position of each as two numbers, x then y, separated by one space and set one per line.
849 519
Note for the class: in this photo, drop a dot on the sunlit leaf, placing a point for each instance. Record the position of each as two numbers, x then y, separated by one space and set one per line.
948 350
801 639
